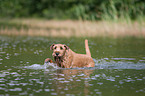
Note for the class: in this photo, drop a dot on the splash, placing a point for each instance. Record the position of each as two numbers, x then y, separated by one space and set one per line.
35 66
104 63
119 63
46 66
50 66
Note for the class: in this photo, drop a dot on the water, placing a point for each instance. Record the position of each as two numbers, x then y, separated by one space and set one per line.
119 68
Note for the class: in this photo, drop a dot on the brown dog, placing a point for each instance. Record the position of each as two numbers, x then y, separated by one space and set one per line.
64 57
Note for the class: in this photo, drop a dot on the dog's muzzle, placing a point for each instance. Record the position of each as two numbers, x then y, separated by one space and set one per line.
57 54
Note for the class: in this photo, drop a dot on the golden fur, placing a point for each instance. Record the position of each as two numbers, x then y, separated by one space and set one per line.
64 57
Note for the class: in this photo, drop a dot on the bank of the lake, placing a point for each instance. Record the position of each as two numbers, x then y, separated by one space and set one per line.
70 28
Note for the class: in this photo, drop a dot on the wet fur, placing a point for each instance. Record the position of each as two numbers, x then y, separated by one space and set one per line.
69 59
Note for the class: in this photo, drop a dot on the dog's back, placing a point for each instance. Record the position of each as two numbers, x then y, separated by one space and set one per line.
83 60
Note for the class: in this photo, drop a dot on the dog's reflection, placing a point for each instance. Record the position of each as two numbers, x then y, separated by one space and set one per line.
66 81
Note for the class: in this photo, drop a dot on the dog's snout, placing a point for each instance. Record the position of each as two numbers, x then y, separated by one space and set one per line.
57 53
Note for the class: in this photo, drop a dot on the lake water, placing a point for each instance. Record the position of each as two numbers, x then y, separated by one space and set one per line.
119 68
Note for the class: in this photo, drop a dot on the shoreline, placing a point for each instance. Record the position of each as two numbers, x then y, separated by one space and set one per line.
70 28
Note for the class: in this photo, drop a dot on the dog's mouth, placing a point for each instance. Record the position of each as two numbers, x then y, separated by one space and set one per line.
57 59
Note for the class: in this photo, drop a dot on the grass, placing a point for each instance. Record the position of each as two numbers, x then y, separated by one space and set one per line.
69 28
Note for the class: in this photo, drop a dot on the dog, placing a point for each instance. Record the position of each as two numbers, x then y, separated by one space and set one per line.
65 58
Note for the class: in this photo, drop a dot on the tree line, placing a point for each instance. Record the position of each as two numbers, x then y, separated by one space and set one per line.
73 9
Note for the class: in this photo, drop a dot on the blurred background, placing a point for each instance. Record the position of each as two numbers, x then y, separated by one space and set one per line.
74 9
115 30
73 17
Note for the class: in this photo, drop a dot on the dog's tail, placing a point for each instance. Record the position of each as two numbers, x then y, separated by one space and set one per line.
87 48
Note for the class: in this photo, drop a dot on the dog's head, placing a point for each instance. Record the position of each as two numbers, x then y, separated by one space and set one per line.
58 49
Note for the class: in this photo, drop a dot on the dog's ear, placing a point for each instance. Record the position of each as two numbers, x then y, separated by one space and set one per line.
66 47
51 47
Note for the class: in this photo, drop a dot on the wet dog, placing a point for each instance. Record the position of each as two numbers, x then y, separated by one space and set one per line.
64 57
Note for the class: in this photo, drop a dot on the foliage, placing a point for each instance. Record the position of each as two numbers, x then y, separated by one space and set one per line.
74 9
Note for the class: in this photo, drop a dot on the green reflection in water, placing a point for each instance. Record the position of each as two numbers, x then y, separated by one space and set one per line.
119 71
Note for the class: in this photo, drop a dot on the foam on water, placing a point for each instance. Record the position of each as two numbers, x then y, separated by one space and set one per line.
121 63
35 66
50 66
39 66
105 63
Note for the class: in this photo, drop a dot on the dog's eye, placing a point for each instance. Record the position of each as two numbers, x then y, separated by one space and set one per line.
61 48
55 47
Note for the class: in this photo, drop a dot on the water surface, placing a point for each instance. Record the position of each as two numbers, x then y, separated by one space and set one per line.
119 67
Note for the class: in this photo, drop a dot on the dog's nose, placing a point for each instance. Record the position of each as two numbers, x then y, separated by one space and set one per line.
57 54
